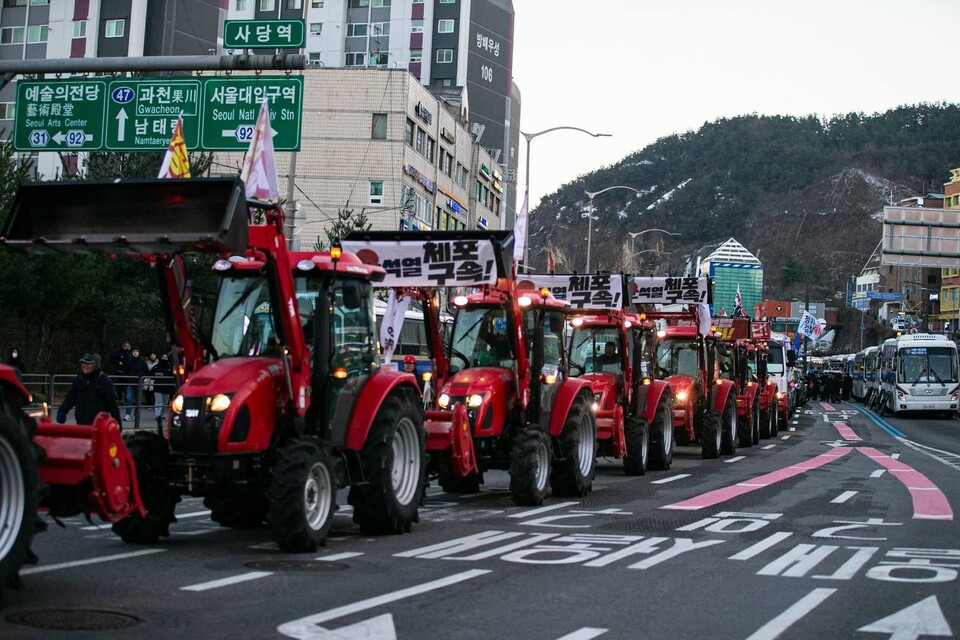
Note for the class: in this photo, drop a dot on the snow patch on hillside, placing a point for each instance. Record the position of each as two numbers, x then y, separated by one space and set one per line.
668 194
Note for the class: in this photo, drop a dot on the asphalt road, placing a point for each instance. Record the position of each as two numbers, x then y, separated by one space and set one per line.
841 527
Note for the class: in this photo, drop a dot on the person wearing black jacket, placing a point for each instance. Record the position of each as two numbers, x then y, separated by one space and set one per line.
163 386
91 392
138 368
122 361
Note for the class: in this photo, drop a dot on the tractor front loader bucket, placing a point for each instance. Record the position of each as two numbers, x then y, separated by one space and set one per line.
164 217
88 469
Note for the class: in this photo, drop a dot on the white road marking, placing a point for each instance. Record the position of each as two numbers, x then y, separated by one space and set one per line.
792 429
948 458
795 422
784 437
924 618
533 512
769 446
735 459
82 563
199 532
878 473
586 633
196 514
843 497
339 556
308 628
782 622
760 547
226 582
895 456
679 476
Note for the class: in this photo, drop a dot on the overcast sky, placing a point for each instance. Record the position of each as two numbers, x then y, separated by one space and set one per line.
644 69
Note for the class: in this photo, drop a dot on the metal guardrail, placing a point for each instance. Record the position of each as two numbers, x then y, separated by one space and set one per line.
53 388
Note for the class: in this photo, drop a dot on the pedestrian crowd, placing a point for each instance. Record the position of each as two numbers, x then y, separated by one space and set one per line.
829 386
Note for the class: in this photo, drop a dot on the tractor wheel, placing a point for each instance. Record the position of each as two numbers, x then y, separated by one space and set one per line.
711 434
637 436
783 419
450 482
19 491
728 443
572 470
661 434
151 458
765 426
394 461
529 467
774 423
755 423
238 511
302 495
745 429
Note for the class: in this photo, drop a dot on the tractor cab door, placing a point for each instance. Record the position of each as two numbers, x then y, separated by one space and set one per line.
544 331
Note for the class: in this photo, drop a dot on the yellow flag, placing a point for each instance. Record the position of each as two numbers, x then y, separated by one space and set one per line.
176 164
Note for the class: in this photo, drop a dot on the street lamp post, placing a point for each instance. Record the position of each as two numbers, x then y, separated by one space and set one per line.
529 137
633 237
592 195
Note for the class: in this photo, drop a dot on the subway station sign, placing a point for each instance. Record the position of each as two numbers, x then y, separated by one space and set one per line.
270 34
130 114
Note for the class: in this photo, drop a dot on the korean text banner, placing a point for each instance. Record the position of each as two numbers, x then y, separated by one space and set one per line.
432 263
667 290
588 291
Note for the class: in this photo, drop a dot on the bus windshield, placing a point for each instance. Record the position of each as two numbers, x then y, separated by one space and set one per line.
775 359
937 365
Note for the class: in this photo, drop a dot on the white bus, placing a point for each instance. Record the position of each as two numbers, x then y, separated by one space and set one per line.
864 372
919 373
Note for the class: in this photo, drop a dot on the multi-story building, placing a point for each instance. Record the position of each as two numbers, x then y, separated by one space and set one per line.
950 277
732 266
442 43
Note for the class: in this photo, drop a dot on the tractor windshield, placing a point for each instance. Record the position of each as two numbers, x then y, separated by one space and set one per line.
678 356
243 324
354 346
480 339
595 349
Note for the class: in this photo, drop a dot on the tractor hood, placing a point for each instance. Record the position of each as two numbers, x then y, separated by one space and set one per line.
600 381
477 380
679 383
231 375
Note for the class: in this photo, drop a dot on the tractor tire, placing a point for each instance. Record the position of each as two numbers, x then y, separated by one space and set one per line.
302 496
394 461
783 419
450 482
238 511
572 471
637 437
661 437
774 424
755 423
728 443
19 491
529 467
151 458
745 430
711 435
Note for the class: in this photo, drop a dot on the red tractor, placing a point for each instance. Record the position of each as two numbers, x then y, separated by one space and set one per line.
293 404
737 352
507 401
705 404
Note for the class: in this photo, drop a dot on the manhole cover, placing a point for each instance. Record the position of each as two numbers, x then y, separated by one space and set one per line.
72 620
295 565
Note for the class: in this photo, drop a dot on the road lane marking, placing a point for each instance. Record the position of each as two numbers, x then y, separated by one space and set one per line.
878 473
183 516
827 407
769 446
679 476
735 459
782 622
846 432
586 633
763 545
895 456
82 563
340 556
717 496
308 627
929 503
226 582
784 437
843 497
534 512
791 429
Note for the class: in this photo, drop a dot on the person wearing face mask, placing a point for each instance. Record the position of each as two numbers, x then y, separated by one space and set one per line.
15 360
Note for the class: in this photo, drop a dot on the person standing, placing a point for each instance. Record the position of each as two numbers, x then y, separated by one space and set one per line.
139 370
163 386
121 361
91 392
15 360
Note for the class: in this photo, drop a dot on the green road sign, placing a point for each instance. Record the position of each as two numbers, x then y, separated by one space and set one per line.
141 114
272 34
231 106
59 115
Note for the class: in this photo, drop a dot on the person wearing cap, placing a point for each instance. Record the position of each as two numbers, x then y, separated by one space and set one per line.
91 392
410 366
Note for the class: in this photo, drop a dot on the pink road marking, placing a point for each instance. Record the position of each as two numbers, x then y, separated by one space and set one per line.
846 432
712 498
827 407
929 503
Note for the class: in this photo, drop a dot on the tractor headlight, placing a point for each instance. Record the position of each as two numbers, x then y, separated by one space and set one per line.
595 407
681 397
474 401
177 404
443 401
218 403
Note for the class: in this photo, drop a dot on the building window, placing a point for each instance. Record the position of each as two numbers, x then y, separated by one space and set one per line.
37 34
418 144
416 55
417 2
444 26
379 59
39 3
11 35
241 5
416 26
355 59
7 110
359 4
381 28
356 29
114 28
268 5
316 4
376 192
447 1
446 163
80 29
408 132
14 3
316 28
431 145
380 3
444 55
314 57
378 129
294 4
